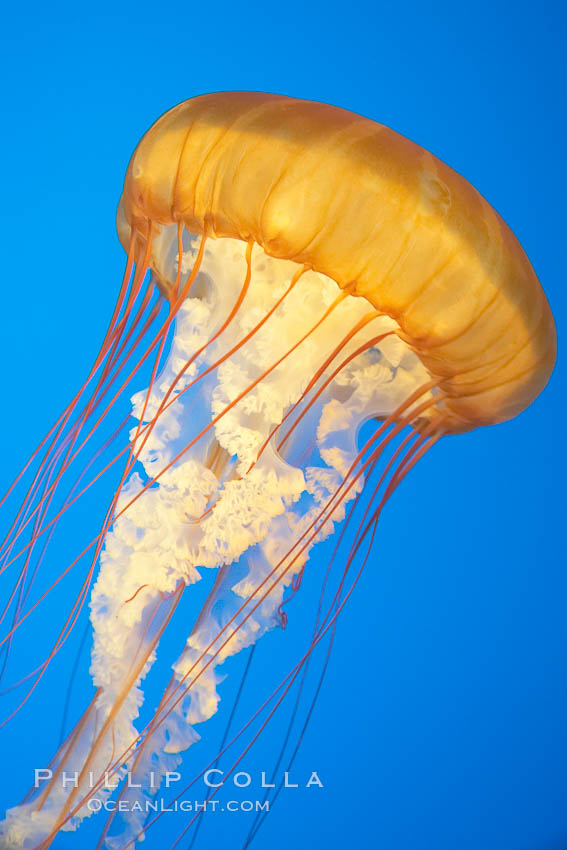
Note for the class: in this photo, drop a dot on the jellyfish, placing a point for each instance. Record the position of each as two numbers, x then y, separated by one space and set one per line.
294 272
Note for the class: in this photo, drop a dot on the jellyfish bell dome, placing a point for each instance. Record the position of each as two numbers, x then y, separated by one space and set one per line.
372 211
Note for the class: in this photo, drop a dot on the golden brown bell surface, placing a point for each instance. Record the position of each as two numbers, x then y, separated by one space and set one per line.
358 202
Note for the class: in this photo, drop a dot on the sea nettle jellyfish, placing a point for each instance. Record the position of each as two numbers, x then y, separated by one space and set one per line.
320 272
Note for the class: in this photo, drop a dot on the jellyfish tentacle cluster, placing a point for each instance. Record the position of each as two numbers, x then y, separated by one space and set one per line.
232 502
